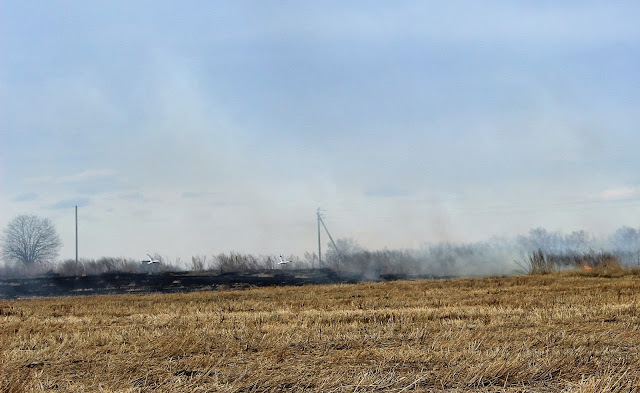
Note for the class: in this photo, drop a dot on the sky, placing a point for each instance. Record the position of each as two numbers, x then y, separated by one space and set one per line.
199 127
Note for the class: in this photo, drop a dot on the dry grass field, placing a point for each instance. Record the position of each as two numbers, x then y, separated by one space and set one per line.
561 332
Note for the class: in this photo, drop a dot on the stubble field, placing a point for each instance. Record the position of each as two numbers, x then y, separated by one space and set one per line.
573 332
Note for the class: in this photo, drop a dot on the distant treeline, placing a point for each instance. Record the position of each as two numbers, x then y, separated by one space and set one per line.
495 256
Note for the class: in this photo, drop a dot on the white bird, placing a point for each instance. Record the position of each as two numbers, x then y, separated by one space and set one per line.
283 261
150 260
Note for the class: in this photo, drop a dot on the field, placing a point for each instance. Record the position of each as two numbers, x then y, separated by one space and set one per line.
571 331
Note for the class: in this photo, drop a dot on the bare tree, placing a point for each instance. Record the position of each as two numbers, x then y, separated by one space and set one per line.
31 240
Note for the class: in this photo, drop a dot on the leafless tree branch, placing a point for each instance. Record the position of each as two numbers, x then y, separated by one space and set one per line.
30 240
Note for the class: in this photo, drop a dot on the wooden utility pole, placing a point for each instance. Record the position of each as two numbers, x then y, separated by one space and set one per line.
76 234
321 221
330 238
319 244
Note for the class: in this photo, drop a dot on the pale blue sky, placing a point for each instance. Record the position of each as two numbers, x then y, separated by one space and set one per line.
206 126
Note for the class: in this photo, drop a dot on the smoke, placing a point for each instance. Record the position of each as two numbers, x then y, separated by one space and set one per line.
497 256
86 267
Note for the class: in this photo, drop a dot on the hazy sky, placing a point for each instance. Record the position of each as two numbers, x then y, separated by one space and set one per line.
198 127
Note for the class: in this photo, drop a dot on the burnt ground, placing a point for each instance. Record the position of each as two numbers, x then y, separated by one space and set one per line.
167 282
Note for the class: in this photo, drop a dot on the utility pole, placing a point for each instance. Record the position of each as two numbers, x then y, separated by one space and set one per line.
335 246
76 234
330 238
319 244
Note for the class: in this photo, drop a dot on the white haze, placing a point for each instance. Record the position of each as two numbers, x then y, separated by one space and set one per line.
210 128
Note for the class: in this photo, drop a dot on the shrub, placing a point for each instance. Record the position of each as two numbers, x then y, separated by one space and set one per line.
538 263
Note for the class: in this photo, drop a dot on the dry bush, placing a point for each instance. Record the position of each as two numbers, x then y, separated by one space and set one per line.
538 333
539 263
237 262
16 270
602 264
198 263
609 265
86 267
